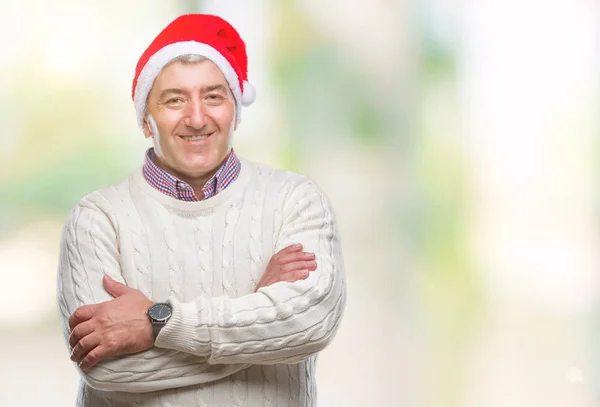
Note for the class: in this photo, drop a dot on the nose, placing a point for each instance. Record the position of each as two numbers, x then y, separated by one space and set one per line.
195 115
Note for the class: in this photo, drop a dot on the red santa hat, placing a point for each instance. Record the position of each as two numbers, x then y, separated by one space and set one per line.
196 34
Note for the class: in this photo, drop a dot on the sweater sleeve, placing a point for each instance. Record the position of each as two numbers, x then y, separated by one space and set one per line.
282 323
89 250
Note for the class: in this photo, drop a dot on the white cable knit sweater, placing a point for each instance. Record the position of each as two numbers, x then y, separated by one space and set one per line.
224 345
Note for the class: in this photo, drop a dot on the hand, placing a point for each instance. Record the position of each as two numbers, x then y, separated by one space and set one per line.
289 264
111 328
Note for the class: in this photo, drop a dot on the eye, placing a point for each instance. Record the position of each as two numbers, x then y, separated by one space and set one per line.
214 98
175 101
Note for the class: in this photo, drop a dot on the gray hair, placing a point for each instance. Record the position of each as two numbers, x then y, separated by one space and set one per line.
188 59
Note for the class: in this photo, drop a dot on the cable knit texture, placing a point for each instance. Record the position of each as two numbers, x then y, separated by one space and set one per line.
225 345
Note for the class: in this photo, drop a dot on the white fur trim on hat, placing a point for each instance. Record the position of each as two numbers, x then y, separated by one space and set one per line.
167 54
249 95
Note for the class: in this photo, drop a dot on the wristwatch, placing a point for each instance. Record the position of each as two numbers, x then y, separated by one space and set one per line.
159 314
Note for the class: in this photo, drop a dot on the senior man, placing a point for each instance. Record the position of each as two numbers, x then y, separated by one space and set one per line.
202 279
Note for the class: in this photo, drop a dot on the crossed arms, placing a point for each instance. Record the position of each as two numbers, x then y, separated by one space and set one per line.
290 317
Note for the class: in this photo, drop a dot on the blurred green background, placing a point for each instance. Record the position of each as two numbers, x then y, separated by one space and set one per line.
456 140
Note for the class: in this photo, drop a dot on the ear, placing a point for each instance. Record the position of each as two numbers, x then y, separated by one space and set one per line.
235 120
146 129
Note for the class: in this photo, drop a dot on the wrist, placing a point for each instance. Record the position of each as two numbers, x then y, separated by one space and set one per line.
188 329
159 314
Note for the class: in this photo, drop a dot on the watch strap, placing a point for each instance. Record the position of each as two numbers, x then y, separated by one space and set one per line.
156 327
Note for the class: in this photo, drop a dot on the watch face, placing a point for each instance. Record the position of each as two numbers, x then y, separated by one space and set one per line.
160 311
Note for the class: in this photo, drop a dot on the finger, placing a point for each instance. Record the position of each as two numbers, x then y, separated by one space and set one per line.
289 249
299 265
84 346
81 314
114 288
295 275
80 331
290 277
93 357
297 256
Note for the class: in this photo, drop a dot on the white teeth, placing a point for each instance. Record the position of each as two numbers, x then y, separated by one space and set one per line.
194 138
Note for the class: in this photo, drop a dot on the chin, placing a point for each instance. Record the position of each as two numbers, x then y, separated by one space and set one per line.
200 164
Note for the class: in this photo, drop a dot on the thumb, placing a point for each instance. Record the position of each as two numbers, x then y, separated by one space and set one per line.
113 287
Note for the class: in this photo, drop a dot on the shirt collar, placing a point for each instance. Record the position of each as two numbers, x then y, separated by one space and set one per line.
170 185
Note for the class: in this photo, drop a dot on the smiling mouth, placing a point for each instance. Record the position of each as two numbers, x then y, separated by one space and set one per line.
195 138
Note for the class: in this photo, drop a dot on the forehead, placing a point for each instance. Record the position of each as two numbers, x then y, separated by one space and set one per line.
189 76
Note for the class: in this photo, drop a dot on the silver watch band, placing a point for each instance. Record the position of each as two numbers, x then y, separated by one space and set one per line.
156 327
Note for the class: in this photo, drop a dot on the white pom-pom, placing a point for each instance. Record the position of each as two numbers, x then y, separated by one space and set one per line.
249 95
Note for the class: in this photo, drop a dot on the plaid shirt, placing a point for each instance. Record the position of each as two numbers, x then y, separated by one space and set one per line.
174 187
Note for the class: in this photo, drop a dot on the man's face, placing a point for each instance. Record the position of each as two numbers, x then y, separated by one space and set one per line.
193 110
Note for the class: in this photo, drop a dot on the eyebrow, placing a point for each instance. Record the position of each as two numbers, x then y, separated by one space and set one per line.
170 91
204 89
211 88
